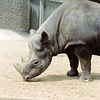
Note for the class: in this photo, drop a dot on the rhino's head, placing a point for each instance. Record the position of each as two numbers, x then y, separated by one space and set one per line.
40 56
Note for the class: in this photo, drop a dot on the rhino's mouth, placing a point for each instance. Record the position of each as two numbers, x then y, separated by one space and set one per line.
27 76
29 72
33 73
19 68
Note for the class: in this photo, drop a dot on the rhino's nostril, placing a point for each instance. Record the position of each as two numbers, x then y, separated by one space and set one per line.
27 78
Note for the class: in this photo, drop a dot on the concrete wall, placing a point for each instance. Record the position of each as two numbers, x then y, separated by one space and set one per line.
34 13
49 7
14 14
25 14
41 10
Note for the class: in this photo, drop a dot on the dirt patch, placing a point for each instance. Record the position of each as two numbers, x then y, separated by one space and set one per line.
53 84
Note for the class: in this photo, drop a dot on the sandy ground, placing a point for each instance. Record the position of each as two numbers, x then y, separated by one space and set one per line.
53 84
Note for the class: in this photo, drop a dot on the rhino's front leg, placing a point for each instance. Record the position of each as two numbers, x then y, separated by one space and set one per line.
73 64
84 55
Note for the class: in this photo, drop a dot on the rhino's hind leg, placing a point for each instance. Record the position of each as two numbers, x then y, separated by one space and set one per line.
84 55
73 64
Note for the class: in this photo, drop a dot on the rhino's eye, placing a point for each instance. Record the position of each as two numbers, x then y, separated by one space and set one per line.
35 62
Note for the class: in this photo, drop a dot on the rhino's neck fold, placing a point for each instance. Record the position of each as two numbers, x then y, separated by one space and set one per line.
51 27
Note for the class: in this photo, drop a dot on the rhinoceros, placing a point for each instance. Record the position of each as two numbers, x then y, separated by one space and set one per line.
74 29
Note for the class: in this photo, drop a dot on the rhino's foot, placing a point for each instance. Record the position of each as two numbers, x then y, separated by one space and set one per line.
86 78
72 73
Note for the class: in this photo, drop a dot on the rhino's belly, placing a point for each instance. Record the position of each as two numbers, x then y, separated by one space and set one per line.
96 48
96 52
95 45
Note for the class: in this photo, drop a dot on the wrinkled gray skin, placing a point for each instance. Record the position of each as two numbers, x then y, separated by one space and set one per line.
73 29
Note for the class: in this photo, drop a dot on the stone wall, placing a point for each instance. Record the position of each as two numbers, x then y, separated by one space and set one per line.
41 10
14 14
25 14
34 14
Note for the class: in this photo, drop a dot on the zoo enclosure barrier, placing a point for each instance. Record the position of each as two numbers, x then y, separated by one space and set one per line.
25 14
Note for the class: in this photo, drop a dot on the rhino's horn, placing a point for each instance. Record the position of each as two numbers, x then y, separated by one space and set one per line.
24 60
18 67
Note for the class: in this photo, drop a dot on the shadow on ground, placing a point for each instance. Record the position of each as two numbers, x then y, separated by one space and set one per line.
53 78
96 76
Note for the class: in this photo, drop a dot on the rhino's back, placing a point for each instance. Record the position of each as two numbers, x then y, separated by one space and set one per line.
81 24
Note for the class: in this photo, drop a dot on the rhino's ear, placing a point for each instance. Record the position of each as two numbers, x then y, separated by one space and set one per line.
44 37
32 32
